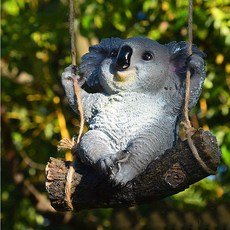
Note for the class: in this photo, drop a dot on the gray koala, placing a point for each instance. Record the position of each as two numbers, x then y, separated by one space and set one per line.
133 94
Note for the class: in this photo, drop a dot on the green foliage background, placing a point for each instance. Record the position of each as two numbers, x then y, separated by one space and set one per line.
35 114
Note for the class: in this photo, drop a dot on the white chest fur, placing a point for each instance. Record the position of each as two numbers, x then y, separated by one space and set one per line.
122 117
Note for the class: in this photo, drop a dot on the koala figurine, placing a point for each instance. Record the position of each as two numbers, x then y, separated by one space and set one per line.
132 93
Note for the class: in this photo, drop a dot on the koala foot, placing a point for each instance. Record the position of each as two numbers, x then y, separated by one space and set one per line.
117 168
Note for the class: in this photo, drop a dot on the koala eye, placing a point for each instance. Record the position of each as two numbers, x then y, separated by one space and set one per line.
113 53
147 56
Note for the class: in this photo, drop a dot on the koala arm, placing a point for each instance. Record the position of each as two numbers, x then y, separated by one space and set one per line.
180 60
88 99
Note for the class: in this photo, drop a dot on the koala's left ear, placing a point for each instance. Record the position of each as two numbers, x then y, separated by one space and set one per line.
91 61
179 55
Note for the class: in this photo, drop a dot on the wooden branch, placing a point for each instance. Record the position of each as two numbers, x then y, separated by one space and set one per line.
169 174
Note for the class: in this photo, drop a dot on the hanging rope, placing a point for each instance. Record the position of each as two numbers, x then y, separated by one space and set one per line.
79 103
73 56
188 127
188 73
72 32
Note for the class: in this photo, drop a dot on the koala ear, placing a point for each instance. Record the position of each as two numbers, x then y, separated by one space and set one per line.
90 65
179 55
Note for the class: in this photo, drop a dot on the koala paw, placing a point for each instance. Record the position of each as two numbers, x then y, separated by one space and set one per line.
195 62
70 73
112 167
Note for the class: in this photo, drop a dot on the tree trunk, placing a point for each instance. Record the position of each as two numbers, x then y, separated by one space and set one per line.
169 174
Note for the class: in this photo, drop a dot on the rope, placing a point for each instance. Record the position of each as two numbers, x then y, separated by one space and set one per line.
188 73
188 127
79 103
72 32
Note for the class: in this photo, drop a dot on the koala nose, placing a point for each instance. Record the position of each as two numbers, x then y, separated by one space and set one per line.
123 58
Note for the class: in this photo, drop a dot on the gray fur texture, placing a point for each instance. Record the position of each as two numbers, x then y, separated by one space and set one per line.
133 96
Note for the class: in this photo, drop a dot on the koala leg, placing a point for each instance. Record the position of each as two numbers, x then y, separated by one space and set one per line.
96 149
139 153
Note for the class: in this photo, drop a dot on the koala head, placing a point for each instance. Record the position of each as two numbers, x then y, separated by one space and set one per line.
139 65
136 64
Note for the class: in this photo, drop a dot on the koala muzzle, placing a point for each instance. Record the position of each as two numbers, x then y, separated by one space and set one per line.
123 58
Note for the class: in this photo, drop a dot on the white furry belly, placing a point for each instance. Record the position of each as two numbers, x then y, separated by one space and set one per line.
122 120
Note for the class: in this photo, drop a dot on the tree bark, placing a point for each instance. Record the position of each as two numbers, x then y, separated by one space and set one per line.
169 174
